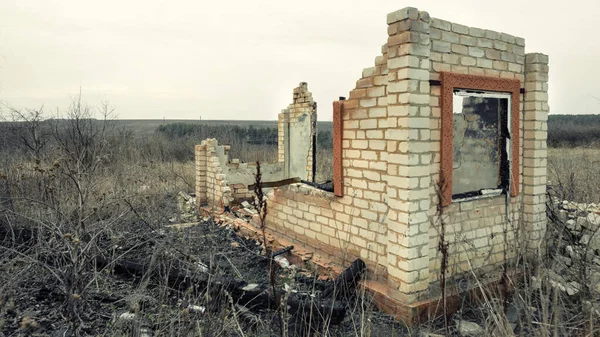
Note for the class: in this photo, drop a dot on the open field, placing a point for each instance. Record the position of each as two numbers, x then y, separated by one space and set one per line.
86 235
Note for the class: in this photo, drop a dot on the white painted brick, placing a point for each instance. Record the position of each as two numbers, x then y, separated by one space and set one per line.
403 61
368 102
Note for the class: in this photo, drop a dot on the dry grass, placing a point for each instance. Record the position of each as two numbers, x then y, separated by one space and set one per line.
574 174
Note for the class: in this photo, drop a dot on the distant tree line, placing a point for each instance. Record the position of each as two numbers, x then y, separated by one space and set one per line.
224 133
573 130
233 134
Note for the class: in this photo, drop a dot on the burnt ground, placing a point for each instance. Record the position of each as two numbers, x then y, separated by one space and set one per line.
162 282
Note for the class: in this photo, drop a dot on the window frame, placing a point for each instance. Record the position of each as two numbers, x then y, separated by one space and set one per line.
451 82
338 131
503 155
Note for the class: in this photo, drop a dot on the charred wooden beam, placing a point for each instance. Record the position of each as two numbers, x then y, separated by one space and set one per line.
252 296
346 282
277 183
282 251
326 186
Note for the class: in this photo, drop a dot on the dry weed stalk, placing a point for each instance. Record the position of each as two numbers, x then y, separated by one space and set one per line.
260 203
443 246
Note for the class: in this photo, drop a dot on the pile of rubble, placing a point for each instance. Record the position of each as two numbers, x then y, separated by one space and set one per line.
329 304
244 211
574 245
186 206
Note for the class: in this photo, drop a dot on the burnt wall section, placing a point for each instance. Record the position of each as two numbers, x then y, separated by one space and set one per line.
338 131
297 131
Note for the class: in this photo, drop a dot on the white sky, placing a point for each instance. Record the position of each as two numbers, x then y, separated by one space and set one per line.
241 59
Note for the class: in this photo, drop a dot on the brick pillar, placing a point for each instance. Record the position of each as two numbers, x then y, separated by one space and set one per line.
409 152
281 123
535 134
200 156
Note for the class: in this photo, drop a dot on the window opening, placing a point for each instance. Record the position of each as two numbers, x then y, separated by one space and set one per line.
481 146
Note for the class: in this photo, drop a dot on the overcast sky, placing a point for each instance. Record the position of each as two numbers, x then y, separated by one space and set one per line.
241 59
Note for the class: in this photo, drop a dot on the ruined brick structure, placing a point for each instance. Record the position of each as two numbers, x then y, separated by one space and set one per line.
220 180
397 148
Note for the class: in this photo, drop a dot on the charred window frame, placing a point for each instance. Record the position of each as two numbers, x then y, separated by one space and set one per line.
481 146
337 184
338 131
508 167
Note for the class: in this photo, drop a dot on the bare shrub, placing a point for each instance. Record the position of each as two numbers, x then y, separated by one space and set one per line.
67 199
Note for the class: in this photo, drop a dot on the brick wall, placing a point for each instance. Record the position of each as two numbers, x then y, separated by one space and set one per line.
409 155
535 134
475 229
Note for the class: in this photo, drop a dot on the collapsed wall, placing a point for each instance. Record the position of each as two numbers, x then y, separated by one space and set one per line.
220 180
440 96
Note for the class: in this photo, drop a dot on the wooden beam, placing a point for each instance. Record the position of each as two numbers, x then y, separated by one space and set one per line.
277 183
